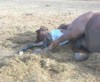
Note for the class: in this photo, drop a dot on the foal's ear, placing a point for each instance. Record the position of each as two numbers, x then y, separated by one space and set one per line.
43 28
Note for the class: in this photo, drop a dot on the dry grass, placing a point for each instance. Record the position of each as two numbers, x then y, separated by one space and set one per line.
44 68
60 66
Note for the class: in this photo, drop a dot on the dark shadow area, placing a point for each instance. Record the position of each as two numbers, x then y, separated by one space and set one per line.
3 61
21 40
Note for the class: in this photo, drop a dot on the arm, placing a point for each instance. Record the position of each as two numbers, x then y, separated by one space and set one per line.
67 36
29 46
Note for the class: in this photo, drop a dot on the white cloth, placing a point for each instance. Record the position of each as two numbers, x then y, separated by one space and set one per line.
55 34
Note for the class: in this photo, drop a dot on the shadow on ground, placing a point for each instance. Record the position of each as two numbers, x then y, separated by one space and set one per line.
21 40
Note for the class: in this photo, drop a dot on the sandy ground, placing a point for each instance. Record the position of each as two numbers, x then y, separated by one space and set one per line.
18 21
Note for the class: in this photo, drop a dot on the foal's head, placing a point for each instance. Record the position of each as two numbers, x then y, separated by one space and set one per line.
41 34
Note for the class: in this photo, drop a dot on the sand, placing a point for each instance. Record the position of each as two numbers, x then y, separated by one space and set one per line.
18 21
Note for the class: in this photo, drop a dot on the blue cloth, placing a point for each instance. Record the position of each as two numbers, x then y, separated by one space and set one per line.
55 34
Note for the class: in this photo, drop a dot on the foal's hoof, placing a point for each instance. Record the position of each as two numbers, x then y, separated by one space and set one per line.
81 56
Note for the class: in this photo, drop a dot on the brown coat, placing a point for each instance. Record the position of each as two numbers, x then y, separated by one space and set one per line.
87 24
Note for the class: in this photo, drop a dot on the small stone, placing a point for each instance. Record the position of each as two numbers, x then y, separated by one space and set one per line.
81 56
37 51
21 53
